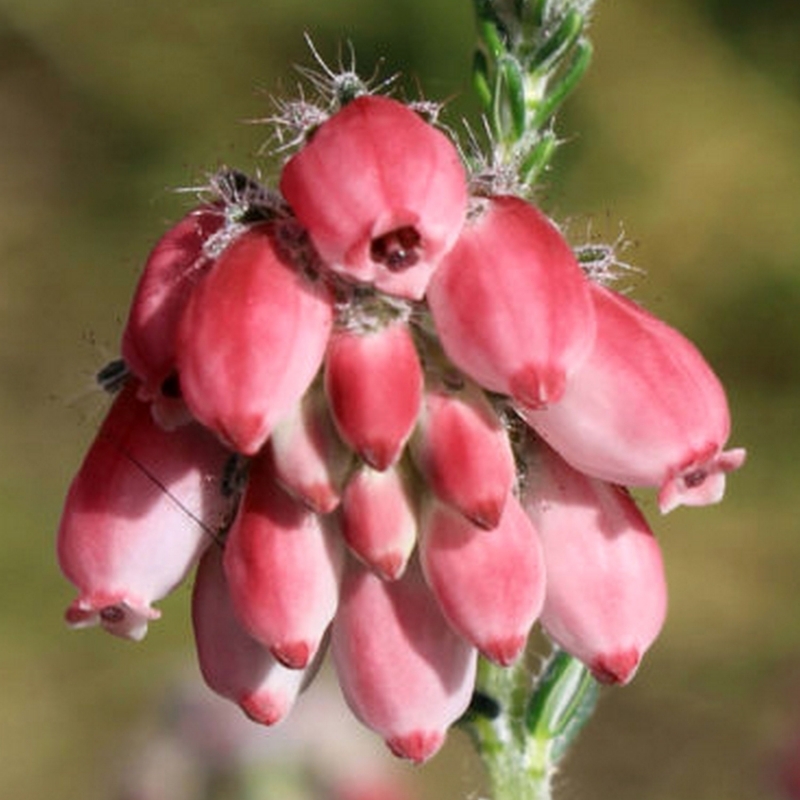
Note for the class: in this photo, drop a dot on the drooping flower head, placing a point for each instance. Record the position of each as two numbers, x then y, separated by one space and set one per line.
369 375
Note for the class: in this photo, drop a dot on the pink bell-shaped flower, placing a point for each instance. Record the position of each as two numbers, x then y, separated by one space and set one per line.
645 409
142 508
403 671
311 462
374 382
511 305
251 340
462 449
606 590
489 584
378 519
234 664
282 568
382 193
173 268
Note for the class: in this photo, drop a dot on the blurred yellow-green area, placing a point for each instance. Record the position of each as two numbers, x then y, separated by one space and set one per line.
684 140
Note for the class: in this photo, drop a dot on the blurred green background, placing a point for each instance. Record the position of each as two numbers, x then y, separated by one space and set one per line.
685 136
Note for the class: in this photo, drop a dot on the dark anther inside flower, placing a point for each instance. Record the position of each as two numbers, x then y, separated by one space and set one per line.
171 386
376 168
398 249
695 478
112 614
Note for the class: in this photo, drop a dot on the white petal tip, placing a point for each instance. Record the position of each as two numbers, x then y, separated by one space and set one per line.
700 484
118 618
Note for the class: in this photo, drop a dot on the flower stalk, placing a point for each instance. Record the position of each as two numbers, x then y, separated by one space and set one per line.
531 55
523 731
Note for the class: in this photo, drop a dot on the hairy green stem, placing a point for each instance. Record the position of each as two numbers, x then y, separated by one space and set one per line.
523 726
531 55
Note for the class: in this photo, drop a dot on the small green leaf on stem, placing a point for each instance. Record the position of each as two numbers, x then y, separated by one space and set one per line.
562 39
562 702
569 80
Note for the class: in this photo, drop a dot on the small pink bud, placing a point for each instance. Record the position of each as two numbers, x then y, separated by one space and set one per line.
234 664
378 520
172 270
374 382
462 449
382 194
645 409
251 340
606 590
311 462
489 584
511 305
404 673
142 508
282 569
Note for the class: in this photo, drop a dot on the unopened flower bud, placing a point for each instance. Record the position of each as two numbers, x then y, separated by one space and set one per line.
511 305
606 590
462 449
311 462
374 381
282 569
232 662
403 671
172 270
378 519
251 340
489 584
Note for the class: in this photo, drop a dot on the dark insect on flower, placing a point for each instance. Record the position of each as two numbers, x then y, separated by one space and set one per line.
111 378
245 199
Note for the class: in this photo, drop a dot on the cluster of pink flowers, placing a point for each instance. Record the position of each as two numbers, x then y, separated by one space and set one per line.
392 417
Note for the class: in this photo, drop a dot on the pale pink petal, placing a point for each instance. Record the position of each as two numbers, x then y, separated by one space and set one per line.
489 584
606 590
701 482
403 671
233 664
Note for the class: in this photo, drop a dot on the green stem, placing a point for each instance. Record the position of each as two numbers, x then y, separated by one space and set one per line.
532 54
523 727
